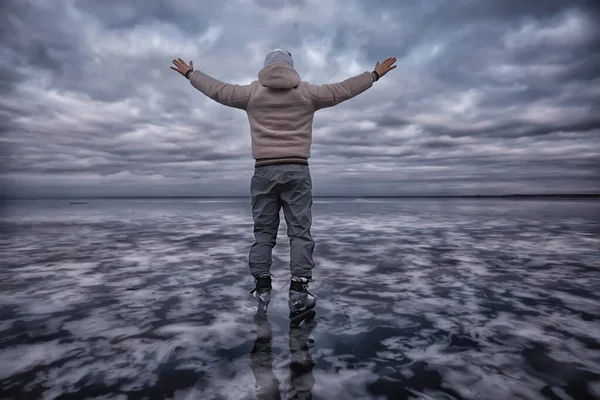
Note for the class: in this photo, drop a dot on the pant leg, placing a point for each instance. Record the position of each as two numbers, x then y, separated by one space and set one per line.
296 200
265 212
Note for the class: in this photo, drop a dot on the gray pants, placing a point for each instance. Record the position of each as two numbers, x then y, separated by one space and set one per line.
287 186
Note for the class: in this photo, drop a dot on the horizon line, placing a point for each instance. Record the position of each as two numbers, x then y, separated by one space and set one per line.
17 197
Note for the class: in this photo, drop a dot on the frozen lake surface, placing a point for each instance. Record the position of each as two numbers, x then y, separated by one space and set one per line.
418 299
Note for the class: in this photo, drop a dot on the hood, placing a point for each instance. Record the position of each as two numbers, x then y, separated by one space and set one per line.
279 76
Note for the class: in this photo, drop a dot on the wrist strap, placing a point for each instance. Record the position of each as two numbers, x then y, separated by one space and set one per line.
375 76
187 74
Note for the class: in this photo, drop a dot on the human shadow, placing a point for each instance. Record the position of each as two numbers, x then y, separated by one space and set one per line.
267 385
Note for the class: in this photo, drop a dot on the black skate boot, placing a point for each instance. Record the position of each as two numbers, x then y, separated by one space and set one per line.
262 291
301 300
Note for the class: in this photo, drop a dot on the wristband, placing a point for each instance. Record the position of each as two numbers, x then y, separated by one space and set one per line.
187 74
375 75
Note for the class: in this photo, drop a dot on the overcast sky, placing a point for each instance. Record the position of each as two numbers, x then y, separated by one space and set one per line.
489 97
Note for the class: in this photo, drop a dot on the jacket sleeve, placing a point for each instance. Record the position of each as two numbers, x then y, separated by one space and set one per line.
334 93
235 96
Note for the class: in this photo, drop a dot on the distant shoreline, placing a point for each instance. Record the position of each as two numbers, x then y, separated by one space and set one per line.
505 196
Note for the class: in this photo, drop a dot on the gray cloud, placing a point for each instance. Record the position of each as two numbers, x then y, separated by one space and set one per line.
488 97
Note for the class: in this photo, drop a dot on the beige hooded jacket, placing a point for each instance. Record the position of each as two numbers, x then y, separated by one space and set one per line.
280 108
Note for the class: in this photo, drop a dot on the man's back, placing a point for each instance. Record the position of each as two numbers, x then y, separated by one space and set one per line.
281 107
280 113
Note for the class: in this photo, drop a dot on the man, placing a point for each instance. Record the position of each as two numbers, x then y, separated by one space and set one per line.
280 109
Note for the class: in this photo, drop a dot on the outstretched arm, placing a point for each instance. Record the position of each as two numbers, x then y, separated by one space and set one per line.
235 96
334 93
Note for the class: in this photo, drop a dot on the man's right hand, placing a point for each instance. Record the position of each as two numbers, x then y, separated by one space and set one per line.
385 66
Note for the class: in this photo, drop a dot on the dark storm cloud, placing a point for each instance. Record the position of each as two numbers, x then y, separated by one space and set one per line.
189 15
488 97
278 4
35 36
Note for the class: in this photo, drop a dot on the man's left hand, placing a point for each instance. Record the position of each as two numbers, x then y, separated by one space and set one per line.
182 66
